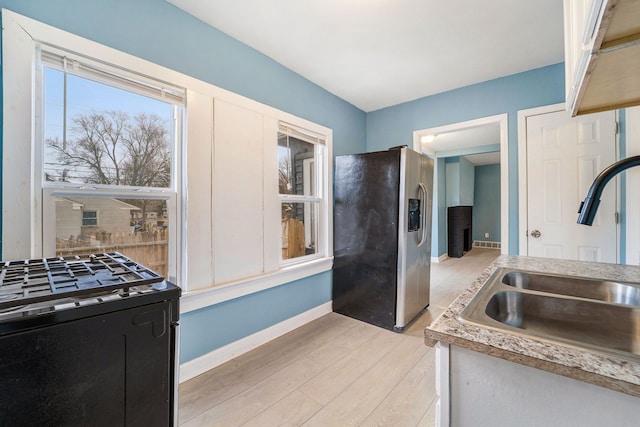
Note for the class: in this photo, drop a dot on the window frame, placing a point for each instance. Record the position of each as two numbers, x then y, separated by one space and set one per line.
319 189
122 79
115 76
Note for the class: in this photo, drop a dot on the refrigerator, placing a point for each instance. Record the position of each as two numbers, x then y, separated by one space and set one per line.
382 236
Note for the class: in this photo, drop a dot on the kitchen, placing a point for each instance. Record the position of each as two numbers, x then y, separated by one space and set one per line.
227 321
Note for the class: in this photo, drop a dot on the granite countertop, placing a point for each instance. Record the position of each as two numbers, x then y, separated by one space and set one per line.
597 368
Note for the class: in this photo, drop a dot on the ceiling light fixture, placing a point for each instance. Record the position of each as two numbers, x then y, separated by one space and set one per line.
427 138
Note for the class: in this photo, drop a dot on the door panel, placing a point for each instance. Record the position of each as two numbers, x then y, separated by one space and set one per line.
564 155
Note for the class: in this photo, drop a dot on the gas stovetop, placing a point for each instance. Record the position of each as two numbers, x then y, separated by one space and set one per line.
45 279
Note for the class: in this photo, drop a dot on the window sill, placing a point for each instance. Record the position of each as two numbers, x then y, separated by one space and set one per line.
201 298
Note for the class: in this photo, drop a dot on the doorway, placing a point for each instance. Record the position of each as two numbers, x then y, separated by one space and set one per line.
438 150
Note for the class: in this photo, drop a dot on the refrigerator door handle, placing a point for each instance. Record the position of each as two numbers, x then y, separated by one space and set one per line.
423 214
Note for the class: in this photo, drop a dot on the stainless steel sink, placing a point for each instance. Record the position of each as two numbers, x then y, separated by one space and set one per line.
600 315
602 290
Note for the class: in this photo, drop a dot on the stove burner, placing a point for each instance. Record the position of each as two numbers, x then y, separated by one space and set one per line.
28 281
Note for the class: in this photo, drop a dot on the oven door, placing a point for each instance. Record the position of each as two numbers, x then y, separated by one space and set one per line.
113 369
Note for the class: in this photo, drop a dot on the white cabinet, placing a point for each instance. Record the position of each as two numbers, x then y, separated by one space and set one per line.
476 389
578 42
602 54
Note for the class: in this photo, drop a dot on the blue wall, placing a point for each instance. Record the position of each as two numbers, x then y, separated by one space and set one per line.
207 329
622 153
395 125
486 205
467 179
157 31
460 175
452 180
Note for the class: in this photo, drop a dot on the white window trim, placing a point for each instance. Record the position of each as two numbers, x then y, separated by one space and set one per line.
323 185
195 300
21 198
122 79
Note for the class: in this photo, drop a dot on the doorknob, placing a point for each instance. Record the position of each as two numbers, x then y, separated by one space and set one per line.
535 234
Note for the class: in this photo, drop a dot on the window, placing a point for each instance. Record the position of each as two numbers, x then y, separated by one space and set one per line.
300 186
88 218
108 136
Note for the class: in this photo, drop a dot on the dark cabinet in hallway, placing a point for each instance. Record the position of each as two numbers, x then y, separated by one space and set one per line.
459 230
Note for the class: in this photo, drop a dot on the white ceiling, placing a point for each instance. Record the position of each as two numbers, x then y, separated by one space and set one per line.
378 53
484 159
476 136
488 134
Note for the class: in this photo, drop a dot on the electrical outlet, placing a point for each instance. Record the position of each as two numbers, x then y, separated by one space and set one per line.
486 235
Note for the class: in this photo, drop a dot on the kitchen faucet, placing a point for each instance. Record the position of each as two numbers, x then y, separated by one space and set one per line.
590 204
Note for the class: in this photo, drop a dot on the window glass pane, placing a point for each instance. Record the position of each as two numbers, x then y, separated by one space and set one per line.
296 171
89 218
99 134
299 229
137 228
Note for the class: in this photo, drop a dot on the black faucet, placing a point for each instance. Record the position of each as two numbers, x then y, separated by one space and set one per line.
590 204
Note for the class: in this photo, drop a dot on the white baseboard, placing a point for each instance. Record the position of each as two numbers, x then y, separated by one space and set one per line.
217 357
440 258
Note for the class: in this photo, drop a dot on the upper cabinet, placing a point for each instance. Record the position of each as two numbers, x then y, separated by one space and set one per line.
602 54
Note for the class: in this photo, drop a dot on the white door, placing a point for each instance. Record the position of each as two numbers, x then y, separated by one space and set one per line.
564 155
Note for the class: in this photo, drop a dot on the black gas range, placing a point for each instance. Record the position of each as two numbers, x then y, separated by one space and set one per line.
43 288
87 340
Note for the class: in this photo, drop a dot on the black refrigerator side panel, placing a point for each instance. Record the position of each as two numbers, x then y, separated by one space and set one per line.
366 236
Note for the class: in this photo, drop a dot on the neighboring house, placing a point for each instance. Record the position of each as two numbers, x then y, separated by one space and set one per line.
78 216
68 218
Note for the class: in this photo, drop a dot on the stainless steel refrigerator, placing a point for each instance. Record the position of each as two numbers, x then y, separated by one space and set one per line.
382 236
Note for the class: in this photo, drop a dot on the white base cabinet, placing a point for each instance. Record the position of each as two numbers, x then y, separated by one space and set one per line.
475 389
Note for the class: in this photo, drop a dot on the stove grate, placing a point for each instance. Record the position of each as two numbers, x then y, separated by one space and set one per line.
34 280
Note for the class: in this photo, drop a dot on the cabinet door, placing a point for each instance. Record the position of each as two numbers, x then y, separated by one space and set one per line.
575 18
581 24
238 192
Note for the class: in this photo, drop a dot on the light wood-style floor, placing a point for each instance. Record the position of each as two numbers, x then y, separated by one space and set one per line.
334 371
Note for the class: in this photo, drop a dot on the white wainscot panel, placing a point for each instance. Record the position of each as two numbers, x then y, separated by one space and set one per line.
238 192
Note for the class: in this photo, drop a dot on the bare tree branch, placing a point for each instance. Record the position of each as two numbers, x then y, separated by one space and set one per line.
112 148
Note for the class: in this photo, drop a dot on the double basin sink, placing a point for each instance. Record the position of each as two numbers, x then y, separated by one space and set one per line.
587 313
